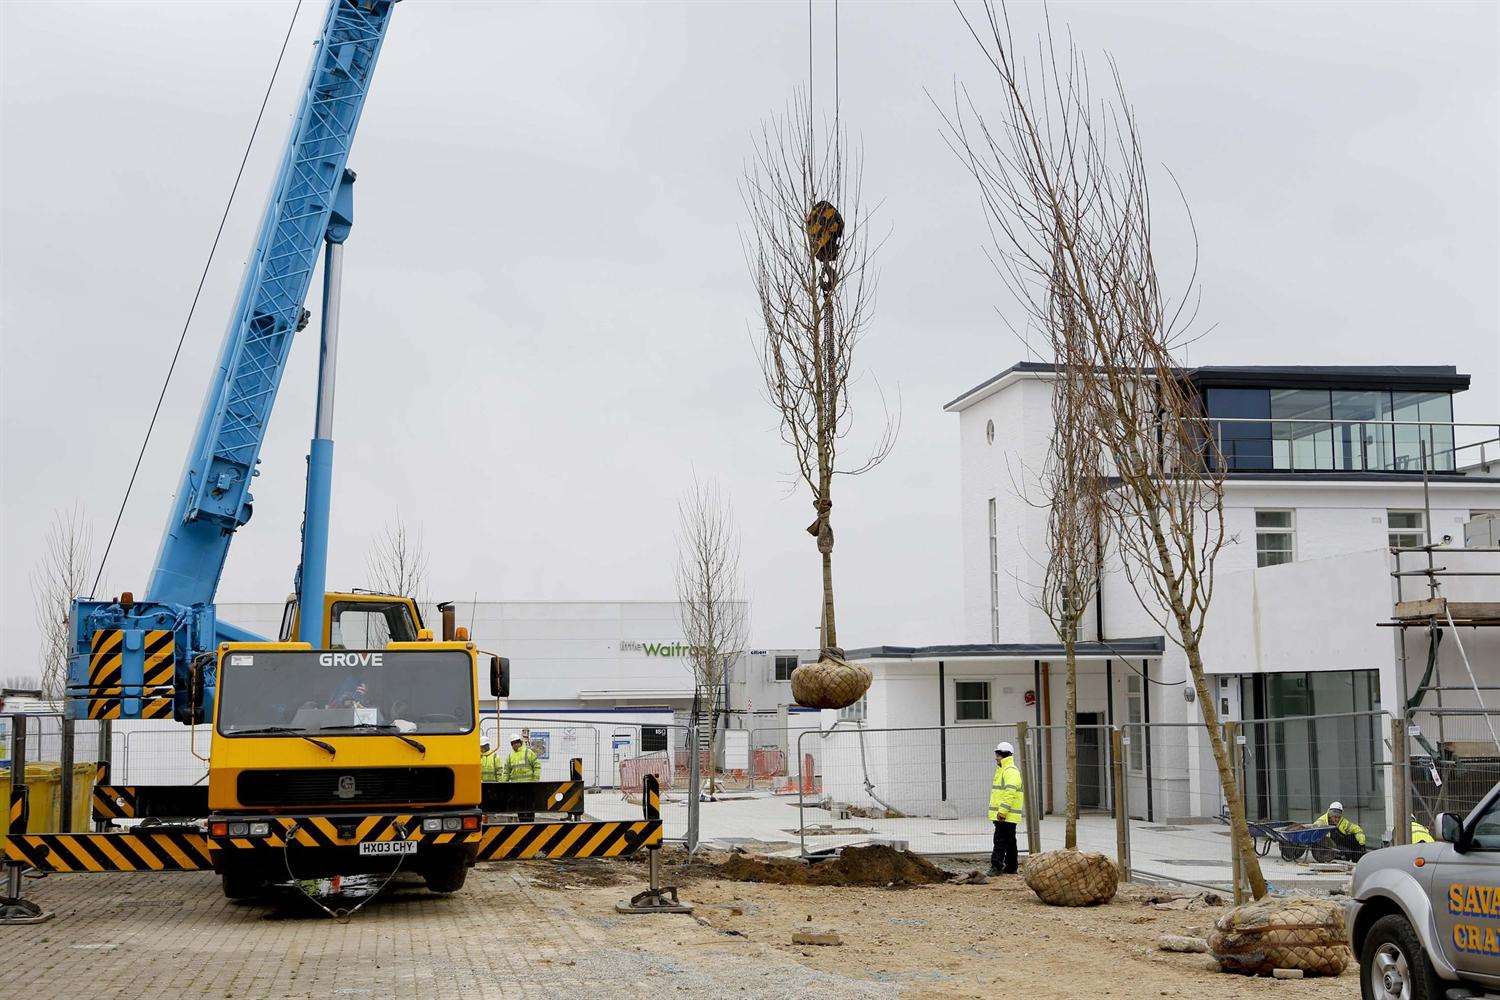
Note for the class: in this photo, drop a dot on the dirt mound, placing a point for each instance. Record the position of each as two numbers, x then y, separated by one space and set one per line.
873 865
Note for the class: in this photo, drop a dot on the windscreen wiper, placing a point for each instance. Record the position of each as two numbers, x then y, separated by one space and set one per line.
289 731
384 727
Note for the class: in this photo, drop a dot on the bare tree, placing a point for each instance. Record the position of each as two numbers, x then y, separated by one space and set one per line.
1063 181
1073 481
397 561
710 599
809 256
59 575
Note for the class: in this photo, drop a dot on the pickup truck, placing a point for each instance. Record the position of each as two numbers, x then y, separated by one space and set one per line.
1424 919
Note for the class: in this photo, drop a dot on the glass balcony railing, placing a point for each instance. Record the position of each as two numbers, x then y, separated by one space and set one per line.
1250 444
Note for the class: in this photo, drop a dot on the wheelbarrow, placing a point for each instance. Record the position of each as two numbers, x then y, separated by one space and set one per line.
1293 840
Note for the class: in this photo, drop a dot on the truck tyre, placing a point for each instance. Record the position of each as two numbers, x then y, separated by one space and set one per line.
242 883
447 876
1393 965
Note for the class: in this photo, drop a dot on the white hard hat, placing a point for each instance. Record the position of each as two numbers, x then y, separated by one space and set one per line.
1335 807
1004 747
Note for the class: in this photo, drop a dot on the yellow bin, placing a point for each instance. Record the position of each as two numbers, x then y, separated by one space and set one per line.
45 784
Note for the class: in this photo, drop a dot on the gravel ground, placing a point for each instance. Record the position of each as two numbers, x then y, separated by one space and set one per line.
549 930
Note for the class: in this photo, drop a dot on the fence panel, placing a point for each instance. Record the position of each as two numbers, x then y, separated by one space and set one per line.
1455 760
1177 824
1295 767
928 787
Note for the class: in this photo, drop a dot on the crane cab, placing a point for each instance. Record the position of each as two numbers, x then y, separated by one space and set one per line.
359 621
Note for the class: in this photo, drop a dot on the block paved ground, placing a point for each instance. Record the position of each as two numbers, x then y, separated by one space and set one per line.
174 935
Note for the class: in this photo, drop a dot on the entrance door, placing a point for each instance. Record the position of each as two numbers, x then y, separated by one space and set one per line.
1091 784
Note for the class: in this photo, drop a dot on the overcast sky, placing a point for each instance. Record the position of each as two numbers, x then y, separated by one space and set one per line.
547 317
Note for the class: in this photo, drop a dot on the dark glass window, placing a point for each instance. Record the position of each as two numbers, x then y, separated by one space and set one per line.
784 667
971 701
1246 446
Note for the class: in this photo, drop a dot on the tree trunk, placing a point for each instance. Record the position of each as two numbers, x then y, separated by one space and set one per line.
713 741
830 633
1070 830
1238 828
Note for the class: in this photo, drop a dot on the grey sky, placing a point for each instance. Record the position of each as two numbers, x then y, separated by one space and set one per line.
546 314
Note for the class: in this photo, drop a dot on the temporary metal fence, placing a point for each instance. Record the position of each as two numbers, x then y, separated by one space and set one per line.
928 788
1148 794
1453 761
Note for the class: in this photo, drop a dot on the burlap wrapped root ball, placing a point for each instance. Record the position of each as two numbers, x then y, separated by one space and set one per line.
832 682
1294 933
1071 878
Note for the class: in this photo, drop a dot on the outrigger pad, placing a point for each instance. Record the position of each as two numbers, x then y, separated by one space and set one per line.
22 911
663 900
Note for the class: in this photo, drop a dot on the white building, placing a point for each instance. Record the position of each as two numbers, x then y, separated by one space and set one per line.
1323 480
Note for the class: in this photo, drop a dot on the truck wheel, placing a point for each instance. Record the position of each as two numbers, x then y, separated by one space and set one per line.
1393 966
242 883
447 876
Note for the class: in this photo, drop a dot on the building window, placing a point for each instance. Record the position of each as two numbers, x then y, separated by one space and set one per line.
1274 537
1135 717
784 667
855 712
1406 529
994 577
971 701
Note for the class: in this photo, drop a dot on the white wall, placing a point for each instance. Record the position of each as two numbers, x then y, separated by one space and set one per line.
1005 470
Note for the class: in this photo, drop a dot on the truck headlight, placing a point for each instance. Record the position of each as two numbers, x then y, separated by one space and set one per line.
239 829
432 825
260 829
453 823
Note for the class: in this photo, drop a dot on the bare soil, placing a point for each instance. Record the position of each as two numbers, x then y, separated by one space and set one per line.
874 865
942 940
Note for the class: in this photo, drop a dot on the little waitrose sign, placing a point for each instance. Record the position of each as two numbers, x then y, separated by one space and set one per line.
667 649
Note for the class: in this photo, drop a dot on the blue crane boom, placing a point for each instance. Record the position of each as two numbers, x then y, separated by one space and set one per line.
130 657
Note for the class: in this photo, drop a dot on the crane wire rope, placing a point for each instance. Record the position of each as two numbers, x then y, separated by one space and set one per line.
202 279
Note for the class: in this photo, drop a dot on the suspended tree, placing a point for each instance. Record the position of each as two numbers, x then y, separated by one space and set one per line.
1063 181
710 600
809 256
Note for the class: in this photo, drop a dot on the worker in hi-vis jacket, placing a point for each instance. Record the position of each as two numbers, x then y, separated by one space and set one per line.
1007 804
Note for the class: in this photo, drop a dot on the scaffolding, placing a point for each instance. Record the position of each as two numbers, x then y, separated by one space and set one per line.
1433 612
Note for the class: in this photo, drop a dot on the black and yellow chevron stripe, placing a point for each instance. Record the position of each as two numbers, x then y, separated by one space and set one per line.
114 802
323 831
158 851
518 841
106 662
18 810
156 661
651 800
